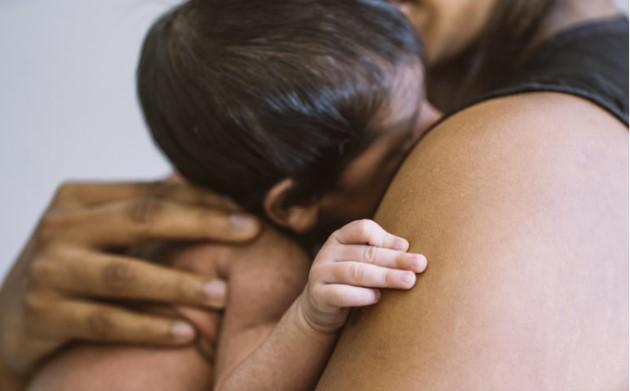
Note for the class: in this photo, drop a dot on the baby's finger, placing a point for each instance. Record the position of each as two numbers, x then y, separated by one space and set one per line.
382 257
368 232
338 295
371 276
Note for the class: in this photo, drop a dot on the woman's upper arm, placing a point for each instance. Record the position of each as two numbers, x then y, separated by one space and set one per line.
520 205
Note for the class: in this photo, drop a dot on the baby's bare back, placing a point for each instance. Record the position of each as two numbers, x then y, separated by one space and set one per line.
262 281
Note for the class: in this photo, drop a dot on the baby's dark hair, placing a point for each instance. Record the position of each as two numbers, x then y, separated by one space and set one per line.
241 94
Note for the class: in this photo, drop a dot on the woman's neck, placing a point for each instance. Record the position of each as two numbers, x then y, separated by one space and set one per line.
444 80
567 14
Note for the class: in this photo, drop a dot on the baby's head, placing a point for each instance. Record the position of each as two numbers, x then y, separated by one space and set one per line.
299 110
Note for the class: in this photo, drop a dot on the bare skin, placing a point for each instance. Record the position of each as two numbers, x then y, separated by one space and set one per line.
550 119
258 334
48 298
449 28
528 286
510 315
264 278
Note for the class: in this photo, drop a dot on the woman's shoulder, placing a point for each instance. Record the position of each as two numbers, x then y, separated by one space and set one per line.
545 141
523 136
506 121
516 202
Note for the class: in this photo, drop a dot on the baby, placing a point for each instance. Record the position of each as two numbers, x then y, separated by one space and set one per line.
301 111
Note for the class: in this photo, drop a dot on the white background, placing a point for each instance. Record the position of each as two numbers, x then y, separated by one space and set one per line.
67 103
68 108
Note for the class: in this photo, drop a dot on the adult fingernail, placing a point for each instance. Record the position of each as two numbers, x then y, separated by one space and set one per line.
243 222
215 290
182 331
408 278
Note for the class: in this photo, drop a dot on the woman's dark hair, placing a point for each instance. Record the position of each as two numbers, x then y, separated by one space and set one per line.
241 94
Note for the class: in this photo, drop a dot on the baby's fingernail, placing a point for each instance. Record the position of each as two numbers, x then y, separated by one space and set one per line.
215 291
244 222
401 244
420 263
408 278
182 331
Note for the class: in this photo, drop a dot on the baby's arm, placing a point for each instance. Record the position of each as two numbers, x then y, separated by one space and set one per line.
263 282
352 265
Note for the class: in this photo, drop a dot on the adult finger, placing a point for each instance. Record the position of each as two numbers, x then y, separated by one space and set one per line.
372 276
338 295
85 273
382 257
134 221
369 232
74 319
95 193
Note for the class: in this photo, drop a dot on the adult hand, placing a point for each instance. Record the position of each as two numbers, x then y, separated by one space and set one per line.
58 288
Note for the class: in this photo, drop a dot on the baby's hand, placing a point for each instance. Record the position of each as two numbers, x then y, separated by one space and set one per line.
348 271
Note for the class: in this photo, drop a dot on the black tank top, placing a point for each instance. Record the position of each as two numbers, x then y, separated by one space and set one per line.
589 61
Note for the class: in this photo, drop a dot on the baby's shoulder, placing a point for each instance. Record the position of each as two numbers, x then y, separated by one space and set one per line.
272 265
264 282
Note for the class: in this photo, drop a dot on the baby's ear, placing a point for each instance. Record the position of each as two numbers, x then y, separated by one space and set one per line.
298 218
